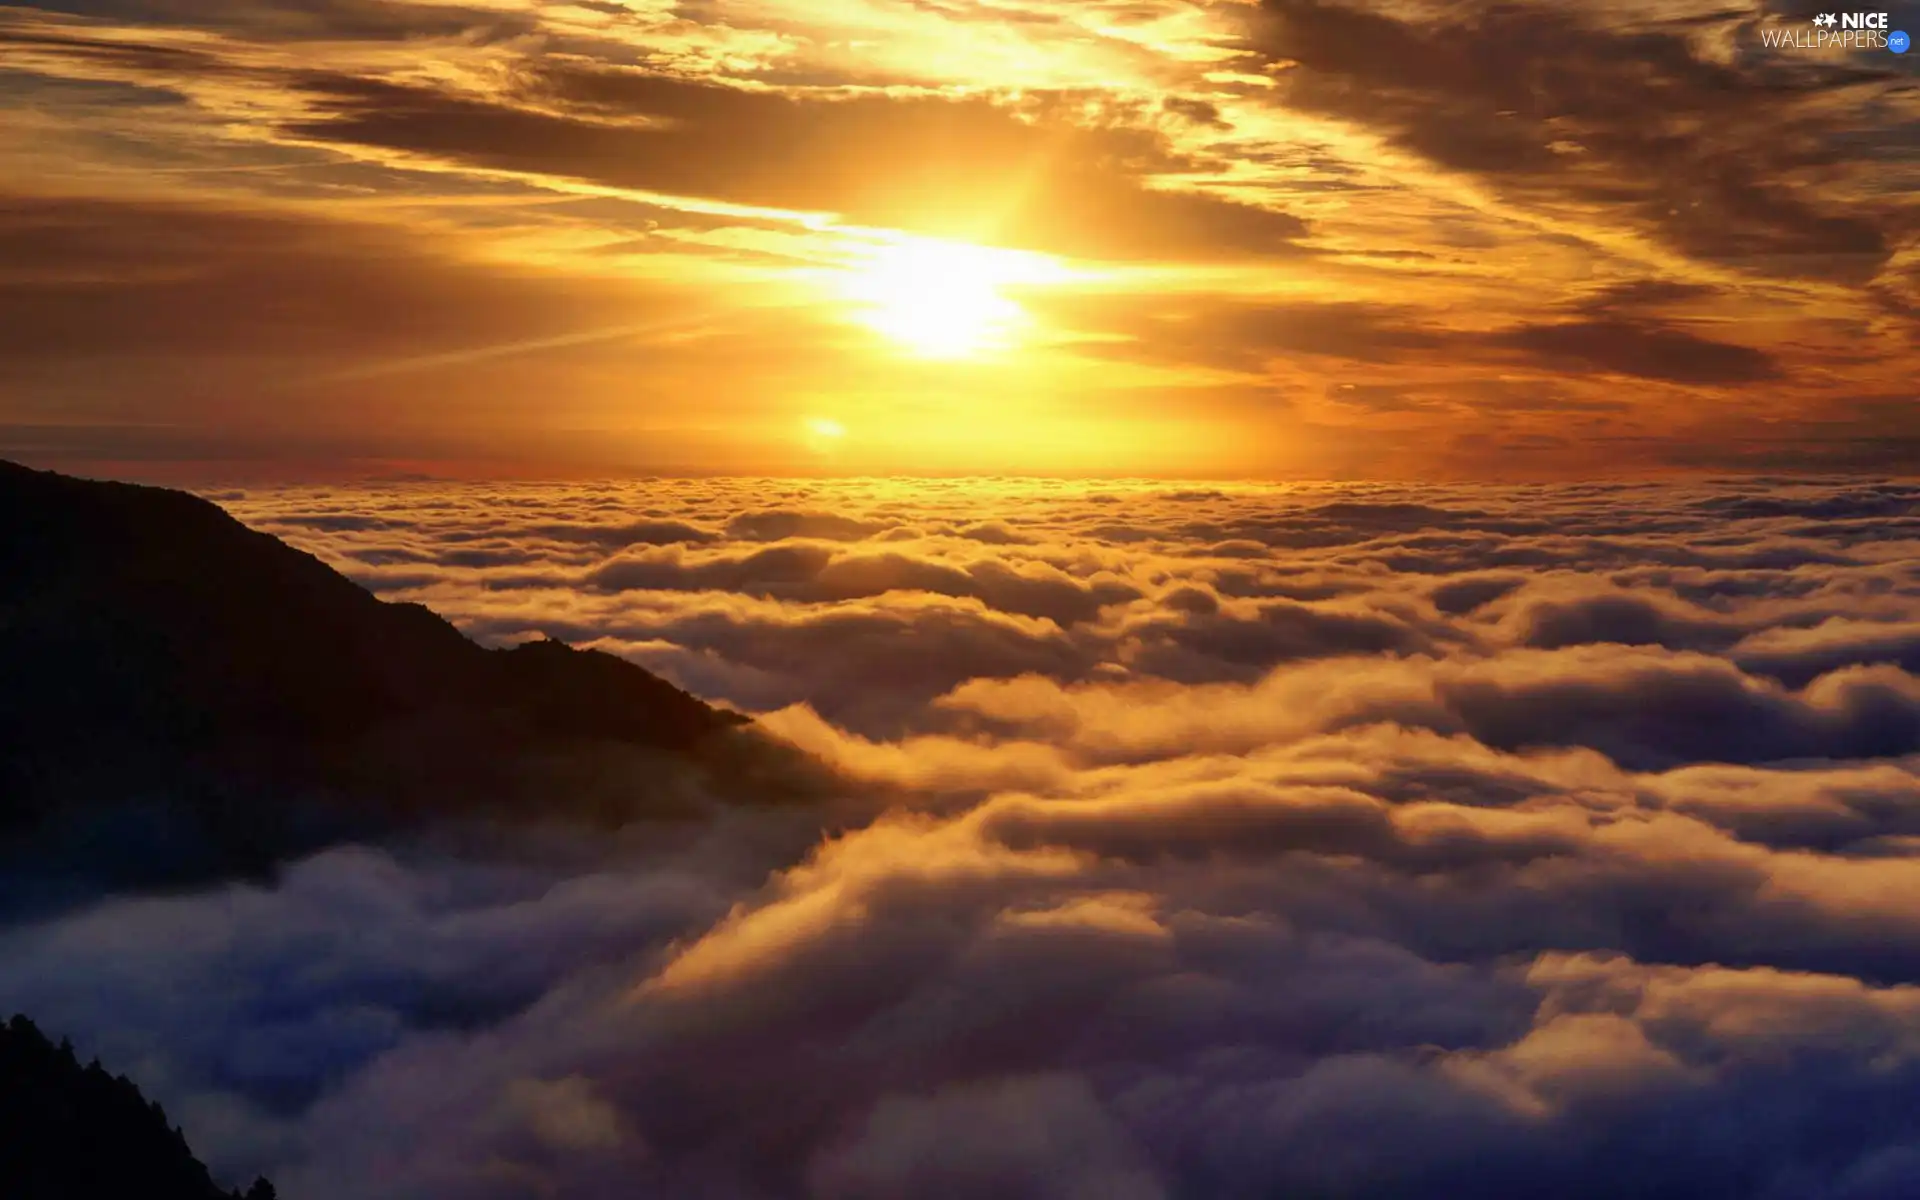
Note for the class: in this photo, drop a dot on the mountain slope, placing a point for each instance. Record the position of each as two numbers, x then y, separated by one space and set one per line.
158 612
69 1132
159 661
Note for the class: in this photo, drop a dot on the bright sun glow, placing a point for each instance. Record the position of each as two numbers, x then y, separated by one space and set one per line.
822 435
946 299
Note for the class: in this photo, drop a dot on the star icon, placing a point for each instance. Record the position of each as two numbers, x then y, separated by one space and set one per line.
1826 19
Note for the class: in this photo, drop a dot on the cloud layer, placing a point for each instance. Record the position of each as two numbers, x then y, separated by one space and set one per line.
1317 841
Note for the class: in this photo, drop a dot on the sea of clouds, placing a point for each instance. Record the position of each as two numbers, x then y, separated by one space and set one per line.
1329 841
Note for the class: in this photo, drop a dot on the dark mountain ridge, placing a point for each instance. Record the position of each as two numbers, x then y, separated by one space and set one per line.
69 1132
183 696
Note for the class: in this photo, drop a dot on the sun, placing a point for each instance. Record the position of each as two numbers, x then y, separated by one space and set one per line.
822 435
945 300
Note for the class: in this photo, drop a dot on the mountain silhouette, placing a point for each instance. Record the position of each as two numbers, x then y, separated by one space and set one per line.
183 697
69 1132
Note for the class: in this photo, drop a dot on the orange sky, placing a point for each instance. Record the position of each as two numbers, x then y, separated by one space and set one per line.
1401 238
